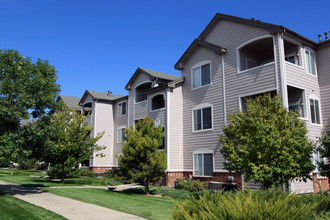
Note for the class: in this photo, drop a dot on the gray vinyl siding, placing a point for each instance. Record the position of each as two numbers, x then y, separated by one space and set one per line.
175 127
323 61
298 77
229 35
210 94
302 187
119 121
140 109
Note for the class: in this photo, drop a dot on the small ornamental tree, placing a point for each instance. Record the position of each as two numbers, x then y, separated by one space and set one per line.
62 139
324 149
141 159
267 143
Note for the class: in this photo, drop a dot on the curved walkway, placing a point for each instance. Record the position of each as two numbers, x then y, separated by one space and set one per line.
68 208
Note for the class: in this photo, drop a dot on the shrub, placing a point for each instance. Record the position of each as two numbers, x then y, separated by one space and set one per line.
55 172
118 176
191 185
270 204
79 172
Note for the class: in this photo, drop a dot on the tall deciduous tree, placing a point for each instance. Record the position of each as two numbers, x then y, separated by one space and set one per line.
267 143
324 149
141 158
26 88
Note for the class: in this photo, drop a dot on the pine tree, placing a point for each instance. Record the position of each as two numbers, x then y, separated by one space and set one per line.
141 159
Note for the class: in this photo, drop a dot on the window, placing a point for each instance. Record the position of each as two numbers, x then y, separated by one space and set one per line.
310 62
317 159
162 147
158 102
122 108
315 111
202 118
120 134
201 75
292 52
296 99
203 164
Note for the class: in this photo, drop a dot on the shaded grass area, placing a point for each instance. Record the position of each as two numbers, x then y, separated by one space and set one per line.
36 178
149 207
12 208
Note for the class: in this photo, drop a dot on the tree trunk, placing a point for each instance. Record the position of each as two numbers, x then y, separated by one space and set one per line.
62 176
146 187
11 168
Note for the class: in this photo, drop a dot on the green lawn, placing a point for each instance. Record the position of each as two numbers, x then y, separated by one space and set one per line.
149 207
35 178
12 208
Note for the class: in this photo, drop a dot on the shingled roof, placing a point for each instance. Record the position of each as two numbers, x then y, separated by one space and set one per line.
153 74
101 96
70 101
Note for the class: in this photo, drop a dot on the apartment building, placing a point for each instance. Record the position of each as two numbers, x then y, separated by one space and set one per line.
232 59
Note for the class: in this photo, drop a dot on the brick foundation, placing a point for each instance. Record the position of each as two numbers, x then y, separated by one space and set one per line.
323 181
217 177
100 169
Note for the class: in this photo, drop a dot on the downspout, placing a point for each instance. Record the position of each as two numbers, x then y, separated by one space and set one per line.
168 128
284 93
94 129
224 89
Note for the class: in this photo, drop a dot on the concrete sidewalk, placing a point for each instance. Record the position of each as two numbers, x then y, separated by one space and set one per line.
68 208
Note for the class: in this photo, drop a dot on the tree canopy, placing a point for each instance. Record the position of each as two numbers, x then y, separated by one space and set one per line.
141 158
62 138
267 143
27 89
324 149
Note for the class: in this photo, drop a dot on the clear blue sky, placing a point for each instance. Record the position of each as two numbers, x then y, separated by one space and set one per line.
98 44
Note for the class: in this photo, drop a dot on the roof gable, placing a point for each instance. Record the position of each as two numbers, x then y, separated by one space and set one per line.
152 74
100 96
200 41
70 101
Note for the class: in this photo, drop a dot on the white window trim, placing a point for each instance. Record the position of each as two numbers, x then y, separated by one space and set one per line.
309 110
118 129
238 60
159 109
203 151
200 64
305 101
311 51
135 92
201 106
118 113
300 58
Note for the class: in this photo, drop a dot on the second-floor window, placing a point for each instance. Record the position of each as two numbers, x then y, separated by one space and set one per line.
310 62
202 118
122 108
201 75
315 111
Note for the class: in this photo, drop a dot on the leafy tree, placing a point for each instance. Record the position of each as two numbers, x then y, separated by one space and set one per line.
267 143
140 159
26 88
324 149
62 139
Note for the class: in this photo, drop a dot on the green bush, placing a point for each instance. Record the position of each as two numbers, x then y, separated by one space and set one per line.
79 172
190 185
55 172
118 177
270 204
